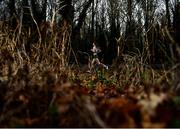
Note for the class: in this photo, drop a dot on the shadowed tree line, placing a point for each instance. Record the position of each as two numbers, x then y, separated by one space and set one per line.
148 28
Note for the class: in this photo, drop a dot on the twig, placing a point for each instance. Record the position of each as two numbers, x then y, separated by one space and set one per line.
40 39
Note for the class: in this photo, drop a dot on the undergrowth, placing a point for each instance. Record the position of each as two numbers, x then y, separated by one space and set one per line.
36 92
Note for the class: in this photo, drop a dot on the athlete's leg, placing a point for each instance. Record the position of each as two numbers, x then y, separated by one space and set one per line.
101 64
92 63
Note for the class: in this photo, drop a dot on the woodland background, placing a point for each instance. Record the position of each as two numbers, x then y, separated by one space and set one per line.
44 55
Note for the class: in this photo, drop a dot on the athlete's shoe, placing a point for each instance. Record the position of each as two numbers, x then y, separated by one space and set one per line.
106 67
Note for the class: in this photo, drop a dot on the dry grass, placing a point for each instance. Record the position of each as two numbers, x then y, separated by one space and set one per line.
36 92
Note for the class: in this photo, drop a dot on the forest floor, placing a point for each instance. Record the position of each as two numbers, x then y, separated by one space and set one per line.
121 97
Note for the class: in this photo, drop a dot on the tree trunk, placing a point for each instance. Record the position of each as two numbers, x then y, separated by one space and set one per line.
92 22
168 13
130 27
44 10
76 29
82 16
12 11
177 30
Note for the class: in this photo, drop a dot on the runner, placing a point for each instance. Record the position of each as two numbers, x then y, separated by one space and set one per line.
95 59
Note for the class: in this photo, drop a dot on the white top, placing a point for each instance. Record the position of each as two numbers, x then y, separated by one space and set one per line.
95 49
